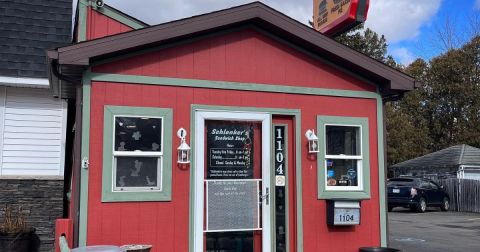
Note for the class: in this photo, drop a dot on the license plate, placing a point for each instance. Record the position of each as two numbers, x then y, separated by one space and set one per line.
396 190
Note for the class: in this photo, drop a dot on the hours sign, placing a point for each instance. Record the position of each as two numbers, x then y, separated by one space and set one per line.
229 150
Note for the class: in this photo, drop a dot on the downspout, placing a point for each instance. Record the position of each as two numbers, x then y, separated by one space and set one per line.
60 76
73 180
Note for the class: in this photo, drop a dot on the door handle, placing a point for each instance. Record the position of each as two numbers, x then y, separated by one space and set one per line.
266 196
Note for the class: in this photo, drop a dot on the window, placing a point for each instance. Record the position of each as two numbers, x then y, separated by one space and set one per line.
433 186
343 156
137 154
343 161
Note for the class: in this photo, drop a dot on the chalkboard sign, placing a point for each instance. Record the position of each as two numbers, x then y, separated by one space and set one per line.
229 150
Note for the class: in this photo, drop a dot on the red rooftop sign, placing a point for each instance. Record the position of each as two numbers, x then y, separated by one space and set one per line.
332 17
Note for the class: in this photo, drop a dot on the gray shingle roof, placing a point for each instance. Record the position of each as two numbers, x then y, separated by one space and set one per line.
27 29
450 157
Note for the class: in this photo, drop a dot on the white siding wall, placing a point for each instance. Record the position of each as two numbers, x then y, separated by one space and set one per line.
32 130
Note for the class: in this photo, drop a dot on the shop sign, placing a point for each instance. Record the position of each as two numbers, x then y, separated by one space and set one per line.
332 17
229 150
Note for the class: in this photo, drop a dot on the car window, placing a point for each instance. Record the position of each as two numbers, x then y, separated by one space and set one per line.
433 186
402 182
425 185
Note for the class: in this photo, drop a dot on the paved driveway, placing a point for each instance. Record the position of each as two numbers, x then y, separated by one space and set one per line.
434 231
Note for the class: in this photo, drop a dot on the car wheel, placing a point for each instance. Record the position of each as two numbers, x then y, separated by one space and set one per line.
422 205
445 204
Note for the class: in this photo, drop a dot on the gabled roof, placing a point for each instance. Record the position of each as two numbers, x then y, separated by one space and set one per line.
75 58
27 29
450 157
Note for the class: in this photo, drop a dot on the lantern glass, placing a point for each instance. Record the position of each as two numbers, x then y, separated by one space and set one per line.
313 146
184 156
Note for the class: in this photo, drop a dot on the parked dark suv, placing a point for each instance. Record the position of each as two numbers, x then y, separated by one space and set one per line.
417 194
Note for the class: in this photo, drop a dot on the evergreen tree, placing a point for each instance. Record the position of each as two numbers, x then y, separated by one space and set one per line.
365 41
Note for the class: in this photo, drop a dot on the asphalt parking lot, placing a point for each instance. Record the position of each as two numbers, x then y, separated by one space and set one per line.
434 231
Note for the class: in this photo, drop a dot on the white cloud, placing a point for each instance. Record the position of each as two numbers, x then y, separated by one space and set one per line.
403 55
401 19
397 19
159 11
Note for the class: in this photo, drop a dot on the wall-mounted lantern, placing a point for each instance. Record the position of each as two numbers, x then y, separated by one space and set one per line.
312 141
183 150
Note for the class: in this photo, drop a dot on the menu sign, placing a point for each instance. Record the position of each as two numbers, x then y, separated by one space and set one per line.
229 150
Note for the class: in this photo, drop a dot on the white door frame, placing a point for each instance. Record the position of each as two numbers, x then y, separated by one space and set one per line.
199 148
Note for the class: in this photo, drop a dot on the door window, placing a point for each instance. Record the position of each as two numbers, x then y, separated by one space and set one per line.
233 185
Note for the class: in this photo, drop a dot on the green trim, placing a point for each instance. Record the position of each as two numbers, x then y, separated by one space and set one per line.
120 17
85 153
298 163
298 179
105 10
108 195
381 175
82 20
227 85
347 194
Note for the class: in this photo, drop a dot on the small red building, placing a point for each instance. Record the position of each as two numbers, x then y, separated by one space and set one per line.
285 127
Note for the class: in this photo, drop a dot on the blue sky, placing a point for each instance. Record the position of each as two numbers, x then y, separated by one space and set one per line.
425 41
410 26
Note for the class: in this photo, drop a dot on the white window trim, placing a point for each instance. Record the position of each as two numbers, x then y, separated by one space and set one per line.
359 159
136 153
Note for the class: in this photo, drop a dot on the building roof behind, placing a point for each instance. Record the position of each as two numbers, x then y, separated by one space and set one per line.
27 29
450 157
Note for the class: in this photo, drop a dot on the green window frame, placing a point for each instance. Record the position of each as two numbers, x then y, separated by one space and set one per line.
163 191
362 191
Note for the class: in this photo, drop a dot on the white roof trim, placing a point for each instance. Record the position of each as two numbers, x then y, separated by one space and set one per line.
24 82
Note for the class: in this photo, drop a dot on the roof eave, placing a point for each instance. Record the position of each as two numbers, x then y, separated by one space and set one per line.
392 81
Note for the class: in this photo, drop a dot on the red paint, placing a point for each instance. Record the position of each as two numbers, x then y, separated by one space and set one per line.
63 227
244 56
99 25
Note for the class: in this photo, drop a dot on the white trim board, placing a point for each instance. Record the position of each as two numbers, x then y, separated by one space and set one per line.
24 82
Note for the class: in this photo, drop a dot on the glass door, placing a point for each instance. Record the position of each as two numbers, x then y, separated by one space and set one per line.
232 187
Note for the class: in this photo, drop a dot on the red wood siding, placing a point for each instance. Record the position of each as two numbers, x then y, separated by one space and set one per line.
99 25
165 224
243 56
